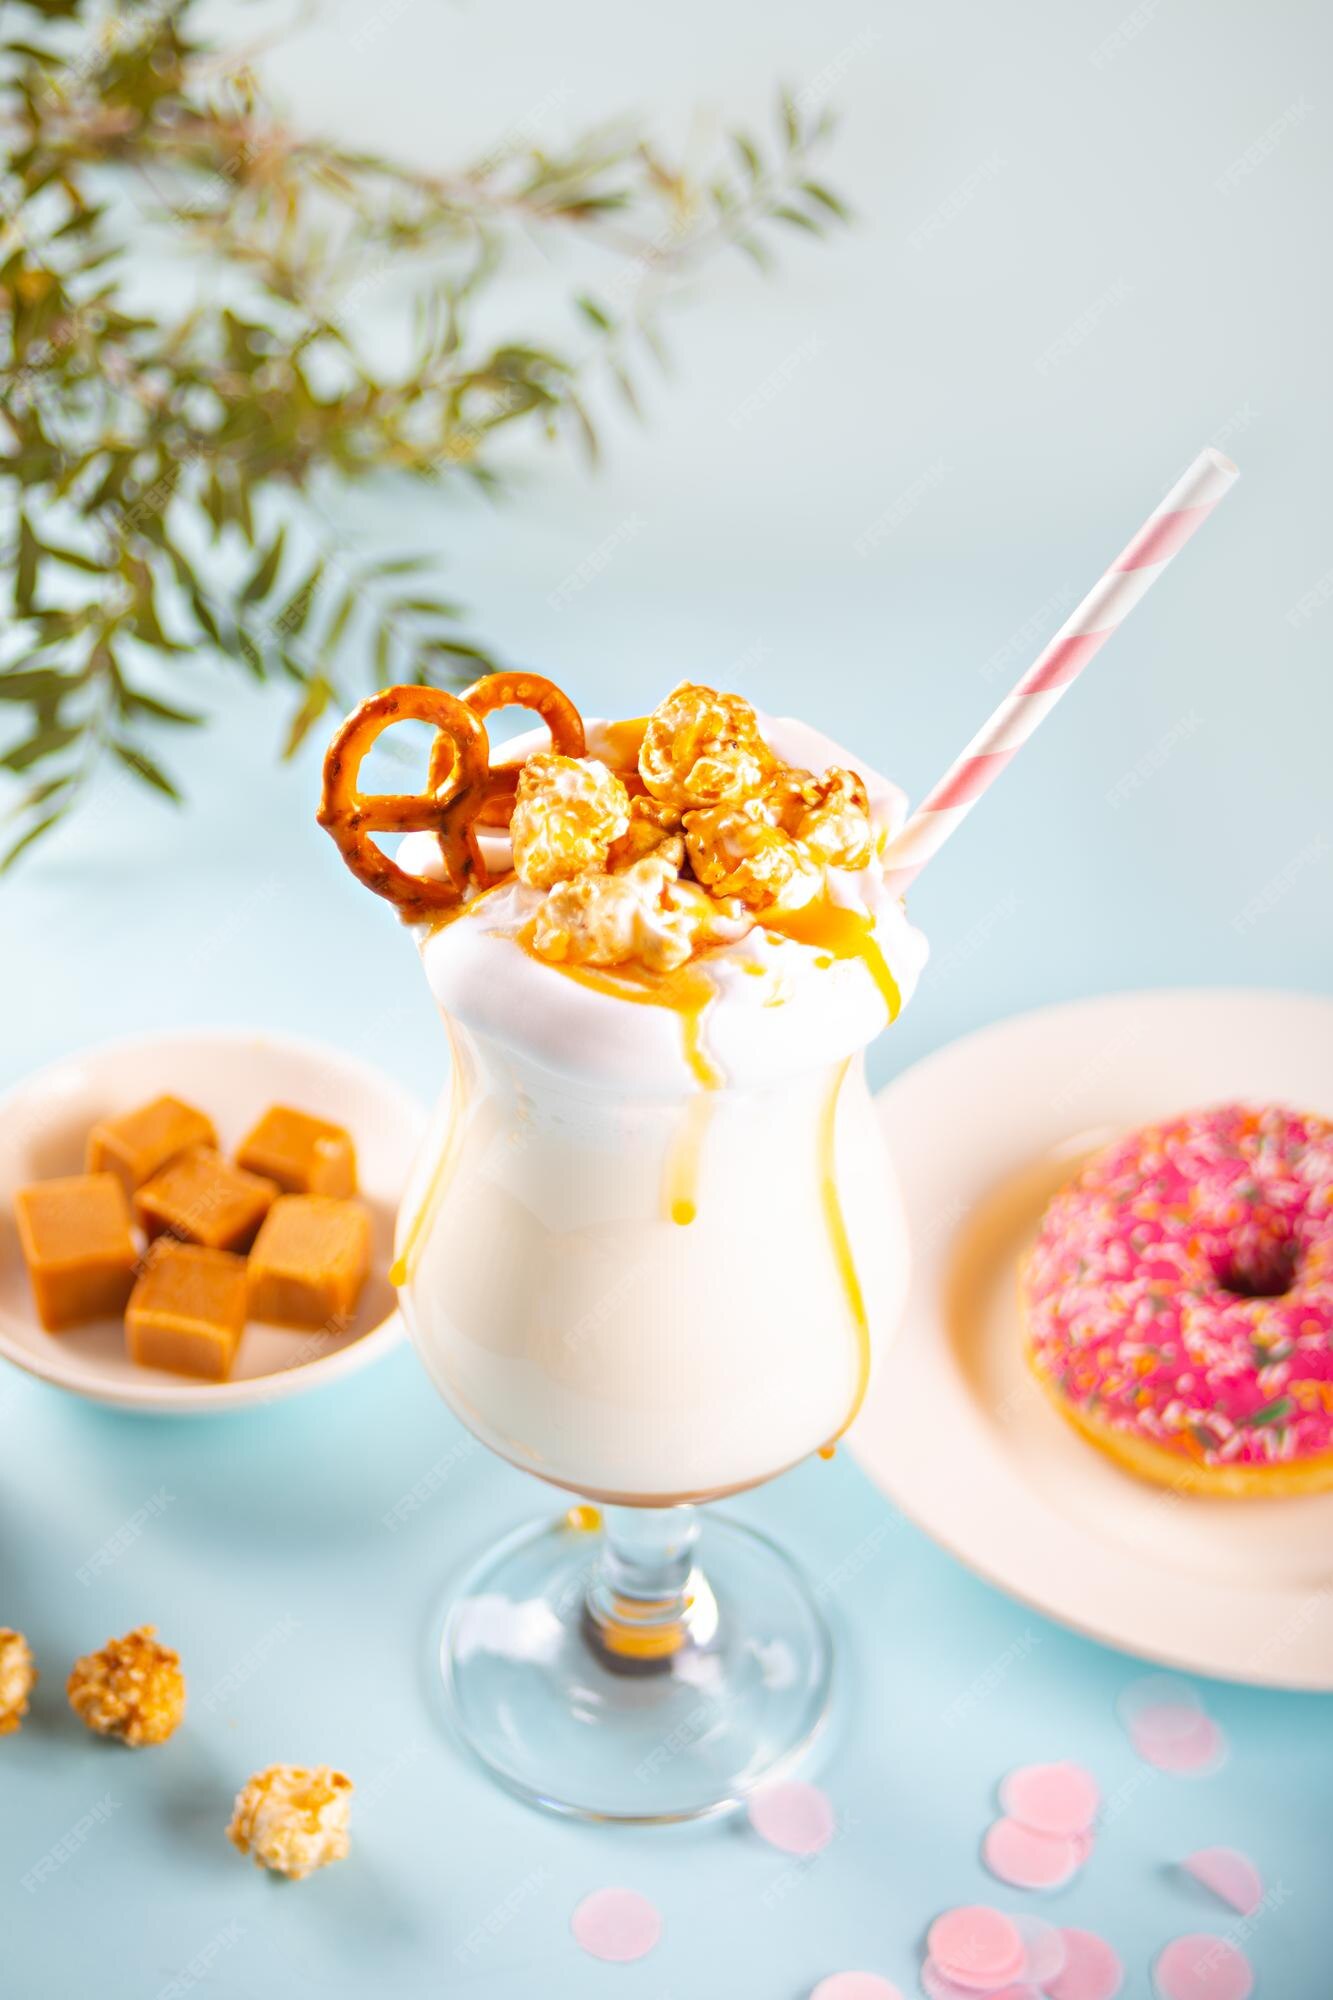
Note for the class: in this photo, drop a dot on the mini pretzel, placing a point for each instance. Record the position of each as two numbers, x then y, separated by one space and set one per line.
543 698
457 786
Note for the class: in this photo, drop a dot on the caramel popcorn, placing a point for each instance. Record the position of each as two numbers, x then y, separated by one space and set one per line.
834 820
654 828
735 852
17 1675
133 1688
567 813
702 748
293 1820
646 915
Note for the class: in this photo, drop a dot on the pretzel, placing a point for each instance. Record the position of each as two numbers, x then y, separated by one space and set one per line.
543 698
447 808
462 791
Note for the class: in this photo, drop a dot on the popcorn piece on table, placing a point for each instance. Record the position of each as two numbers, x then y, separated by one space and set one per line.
140 1143
202 1198
702 748
18 1676
132 1688
302 1154
187 1312
76 1242
309 1261
566 815
645 915
293 1820
735 852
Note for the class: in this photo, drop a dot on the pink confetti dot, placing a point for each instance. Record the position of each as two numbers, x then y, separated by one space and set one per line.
1028 1860
1051 1798
795 1817
936 1985
1044 1952
1092 1969
1202 1967
1230 1875
616 1924
1195 1754
975 1947
1164 1693
856 1986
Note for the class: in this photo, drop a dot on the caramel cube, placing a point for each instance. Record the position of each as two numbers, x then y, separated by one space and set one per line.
139 1144
202 1198
187 1312
304 1155
75 1236
309 1261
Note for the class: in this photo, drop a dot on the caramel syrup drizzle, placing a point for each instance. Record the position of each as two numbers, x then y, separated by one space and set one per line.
404 1266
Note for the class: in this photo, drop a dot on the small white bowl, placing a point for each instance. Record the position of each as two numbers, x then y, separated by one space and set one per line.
233 1075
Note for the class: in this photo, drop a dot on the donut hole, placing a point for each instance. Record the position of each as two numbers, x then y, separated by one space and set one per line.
1266 1272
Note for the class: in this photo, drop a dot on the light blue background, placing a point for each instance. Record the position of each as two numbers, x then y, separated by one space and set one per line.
935 351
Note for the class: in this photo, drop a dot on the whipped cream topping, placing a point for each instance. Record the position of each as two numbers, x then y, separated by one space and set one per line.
763 1005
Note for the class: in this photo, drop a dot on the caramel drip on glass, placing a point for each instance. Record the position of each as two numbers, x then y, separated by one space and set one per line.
403 1267
844 934
840 1242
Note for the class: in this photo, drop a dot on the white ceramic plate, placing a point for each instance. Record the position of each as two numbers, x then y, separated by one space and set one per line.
955 1429
232 1076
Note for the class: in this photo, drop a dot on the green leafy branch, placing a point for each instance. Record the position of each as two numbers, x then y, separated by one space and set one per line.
163 466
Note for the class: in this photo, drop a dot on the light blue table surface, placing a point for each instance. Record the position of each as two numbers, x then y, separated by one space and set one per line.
1062 285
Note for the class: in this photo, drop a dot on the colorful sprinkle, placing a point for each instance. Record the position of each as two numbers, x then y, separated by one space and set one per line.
1203 1967
1092 1969
1051 1798
1028 1860
795 1817
616 1924
1230 1875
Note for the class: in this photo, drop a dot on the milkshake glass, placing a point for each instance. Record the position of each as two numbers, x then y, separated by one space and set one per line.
649 1251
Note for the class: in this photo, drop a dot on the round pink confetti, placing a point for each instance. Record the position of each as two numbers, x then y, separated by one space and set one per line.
797 1818
936 1985
1195 1755
856 1986
1028 1860
1092 1969
1163 1692
1051 1798
1044 1951
1230 1875
975 1947
1201 1967
616 1924
1167 1722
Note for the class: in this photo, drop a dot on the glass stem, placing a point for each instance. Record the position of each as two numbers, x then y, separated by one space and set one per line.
648 1599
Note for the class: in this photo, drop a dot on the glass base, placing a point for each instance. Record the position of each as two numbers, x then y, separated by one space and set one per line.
587 1698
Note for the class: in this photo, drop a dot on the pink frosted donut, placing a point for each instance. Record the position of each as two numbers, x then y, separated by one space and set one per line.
1179 1301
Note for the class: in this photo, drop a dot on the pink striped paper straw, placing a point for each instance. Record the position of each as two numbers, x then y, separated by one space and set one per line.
1086 630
